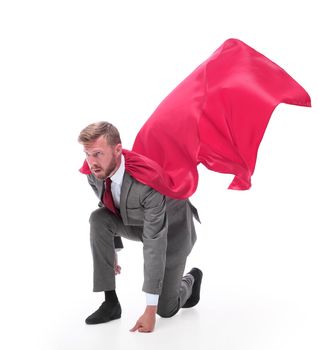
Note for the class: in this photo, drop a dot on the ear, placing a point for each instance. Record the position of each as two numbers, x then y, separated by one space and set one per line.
118 149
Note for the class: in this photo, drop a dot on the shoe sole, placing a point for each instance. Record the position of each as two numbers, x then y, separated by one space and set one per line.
108 320
192 302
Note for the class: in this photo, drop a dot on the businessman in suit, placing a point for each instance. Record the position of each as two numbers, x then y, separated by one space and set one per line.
137 212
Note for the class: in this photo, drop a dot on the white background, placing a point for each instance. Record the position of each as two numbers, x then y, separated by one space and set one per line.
64 64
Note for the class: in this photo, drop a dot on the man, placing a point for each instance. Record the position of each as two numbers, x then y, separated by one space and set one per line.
136 211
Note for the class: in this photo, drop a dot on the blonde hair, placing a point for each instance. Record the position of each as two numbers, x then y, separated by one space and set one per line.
95 130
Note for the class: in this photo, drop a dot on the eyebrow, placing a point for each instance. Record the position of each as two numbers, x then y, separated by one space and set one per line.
93 151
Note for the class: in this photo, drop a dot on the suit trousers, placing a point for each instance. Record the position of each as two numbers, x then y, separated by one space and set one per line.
104 225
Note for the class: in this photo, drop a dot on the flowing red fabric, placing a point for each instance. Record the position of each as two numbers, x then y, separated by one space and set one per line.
217 116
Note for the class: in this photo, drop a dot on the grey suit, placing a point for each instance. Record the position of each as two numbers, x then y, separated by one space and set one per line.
166 229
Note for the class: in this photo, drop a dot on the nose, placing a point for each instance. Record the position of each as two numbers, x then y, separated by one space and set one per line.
90 160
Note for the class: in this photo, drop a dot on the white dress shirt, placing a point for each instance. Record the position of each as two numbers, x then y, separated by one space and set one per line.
117 180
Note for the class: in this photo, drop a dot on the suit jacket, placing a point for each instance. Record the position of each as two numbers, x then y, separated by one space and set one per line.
164 225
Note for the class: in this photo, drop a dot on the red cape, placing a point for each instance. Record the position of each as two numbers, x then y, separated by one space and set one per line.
217 116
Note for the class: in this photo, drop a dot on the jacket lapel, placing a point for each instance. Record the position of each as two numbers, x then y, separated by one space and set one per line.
125 188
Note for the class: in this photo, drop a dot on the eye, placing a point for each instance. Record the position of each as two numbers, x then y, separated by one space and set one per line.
98 154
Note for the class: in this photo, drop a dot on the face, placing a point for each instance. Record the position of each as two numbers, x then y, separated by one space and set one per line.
102 158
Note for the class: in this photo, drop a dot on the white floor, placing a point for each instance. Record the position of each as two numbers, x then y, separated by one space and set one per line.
225 321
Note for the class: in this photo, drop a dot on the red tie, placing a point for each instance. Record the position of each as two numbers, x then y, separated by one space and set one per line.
108 200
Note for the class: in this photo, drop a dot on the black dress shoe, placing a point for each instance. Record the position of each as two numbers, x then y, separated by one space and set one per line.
106 312
195 295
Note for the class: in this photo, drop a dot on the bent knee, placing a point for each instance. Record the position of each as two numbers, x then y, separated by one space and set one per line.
166 312
97 215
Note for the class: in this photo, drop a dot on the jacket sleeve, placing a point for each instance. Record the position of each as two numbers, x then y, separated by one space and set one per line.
154 238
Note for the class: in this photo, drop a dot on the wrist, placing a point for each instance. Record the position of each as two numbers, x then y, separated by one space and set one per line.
151 309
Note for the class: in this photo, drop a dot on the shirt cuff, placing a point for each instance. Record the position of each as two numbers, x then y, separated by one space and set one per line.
152 299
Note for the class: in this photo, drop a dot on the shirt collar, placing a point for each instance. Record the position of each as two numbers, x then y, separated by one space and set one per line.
119 174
